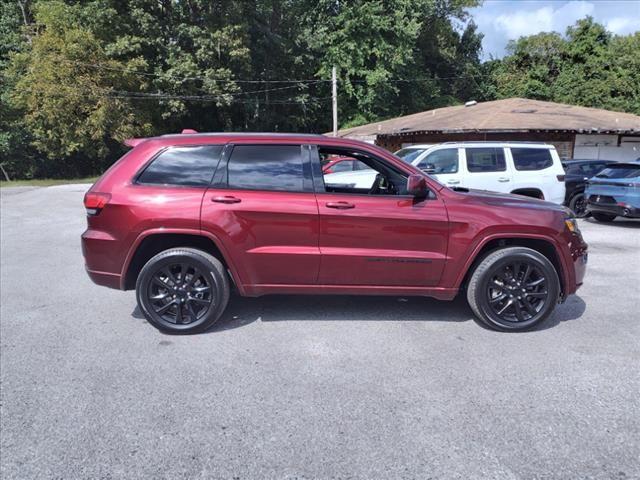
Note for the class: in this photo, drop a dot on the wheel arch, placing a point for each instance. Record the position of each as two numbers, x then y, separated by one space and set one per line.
529 192
542 245
150 243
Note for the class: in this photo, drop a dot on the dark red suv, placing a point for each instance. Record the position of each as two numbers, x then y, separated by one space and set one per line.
183 218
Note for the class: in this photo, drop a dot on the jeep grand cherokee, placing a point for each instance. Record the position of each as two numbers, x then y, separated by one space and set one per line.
184 218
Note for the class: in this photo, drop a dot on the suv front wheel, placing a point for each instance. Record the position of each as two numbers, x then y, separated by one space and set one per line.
513 289
182 290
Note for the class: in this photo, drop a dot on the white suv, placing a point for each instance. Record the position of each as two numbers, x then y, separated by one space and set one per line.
531 169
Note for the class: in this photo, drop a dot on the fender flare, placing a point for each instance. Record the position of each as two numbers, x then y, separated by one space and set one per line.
473 255
181 231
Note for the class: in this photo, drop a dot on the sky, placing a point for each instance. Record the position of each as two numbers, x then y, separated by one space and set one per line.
504 20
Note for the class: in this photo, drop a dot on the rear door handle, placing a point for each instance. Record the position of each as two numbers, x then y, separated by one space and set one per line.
503 179
453 182
226 199
340 205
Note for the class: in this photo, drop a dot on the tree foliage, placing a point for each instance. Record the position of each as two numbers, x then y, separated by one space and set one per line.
78 77
588 66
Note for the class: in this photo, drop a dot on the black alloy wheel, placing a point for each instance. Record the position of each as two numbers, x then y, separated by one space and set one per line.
513 289
180 294
517 291
183 290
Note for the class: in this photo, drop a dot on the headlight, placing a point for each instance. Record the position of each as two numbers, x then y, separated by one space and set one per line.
572 225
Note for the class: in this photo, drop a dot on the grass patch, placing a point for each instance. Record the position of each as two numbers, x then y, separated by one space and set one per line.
46 182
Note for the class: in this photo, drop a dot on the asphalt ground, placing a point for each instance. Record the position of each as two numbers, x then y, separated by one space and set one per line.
307 387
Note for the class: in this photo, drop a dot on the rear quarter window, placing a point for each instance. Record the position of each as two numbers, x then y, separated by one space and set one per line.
182 166
531 158
620 171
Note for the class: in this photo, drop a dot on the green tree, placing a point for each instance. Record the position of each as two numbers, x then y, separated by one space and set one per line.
588 66
68 90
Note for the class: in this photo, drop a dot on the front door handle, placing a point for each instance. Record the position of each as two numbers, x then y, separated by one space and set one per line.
503 179
226 199
340 205
453 182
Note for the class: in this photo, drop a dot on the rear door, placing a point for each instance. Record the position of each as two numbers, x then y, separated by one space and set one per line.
377 234
262 206
485 168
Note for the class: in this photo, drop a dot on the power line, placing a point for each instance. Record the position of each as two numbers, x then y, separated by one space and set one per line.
204 98
187 78
231 80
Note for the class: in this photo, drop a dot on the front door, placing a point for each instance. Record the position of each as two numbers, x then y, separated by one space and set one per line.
379 235
262 208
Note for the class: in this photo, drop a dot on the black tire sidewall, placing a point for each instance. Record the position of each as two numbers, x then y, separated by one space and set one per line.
213 275
572 205
553 285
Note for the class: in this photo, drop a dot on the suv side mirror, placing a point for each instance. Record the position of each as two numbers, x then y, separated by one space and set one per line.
417 186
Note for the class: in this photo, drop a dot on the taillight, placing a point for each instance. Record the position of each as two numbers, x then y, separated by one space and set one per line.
95 202
560 178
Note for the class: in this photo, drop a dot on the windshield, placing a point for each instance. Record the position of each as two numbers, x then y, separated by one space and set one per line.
620 171
409 154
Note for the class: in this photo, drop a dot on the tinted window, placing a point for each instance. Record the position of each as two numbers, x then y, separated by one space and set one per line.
441 161
344 166
620 171
573 169
409 154
531 158
485 160
190 166
266 167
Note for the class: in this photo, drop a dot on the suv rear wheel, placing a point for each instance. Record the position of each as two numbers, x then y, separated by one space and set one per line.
182 290
513 289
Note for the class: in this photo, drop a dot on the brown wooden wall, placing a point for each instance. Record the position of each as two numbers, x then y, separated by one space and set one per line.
563 142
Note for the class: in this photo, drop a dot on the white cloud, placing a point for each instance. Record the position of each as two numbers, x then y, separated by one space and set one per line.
622 25
521 23
546 19
504 20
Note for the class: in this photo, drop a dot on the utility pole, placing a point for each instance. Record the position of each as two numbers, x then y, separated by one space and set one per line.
334 100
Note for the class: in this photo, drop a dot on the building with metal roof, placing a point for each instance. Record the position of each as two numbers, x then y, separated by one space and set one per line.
577 132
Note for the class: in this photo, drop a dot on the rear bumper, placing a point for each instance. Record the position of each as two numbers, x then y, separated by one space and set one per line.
104 279
101 258
628 211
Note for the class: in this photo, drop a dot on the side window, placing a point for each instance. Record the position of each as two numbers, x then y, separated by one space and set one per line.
184 166
266 167
371 176
485 160
345 166
531 158
574 170
440 161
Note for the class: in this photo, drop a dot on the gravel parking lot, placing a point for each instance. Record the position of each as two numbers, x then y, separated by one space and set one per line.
307 387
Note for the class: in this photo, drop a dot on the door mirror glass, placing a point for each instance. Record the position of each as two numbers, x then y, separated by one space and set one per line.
417 186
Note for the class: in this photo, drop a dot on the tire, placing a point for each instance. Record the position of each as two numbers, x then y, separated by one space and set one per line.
578 205
505 282
603 217
182 290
